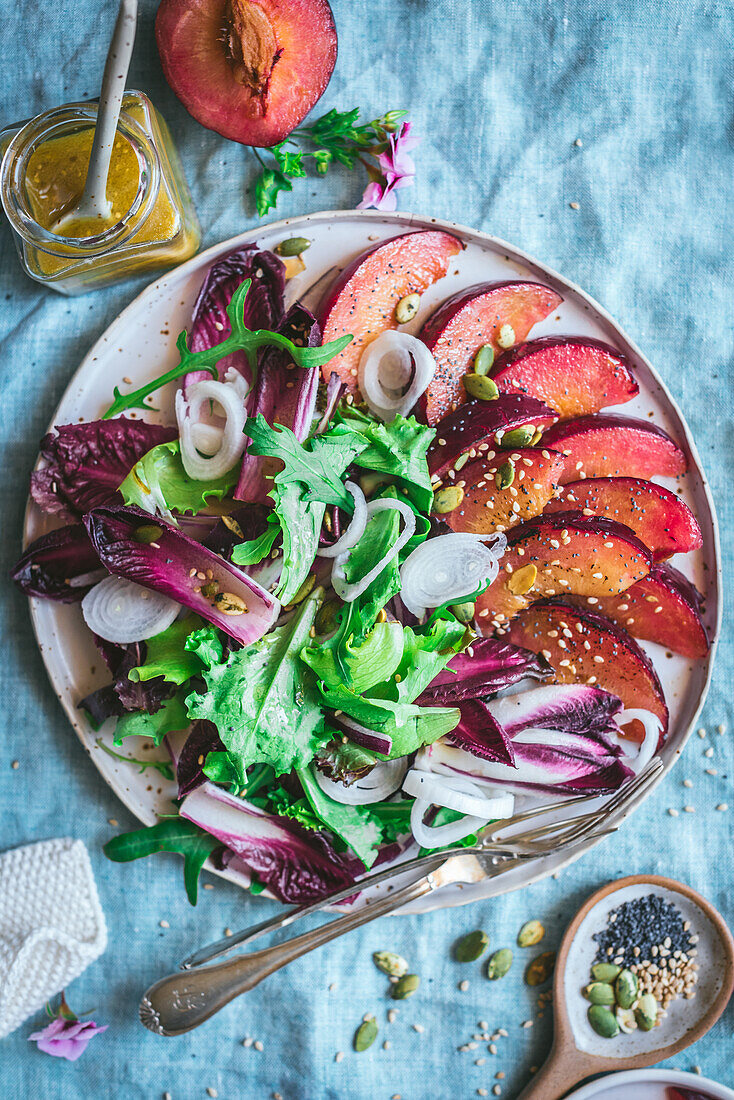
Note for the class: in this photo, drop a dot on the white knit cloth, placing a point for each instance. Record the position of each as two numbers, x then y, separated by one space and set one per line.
51 924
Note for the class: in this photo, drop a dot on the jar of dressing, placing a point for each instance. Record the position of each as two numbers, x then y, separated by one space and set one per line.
44 167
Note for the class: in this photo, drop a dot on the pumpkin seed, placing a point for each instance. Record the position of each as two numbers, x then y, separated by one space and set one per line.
532 932
541 968
626 988
499 963
147 533
210 589
294 265
365 1034
293 246
523 579
229 603
447 499
626 1020
537 436
484 359
603 1021
464 611
506 337
370 483
505 475
518 437
605 972
303 591
405 987
646 1012
407 308
471 947
600 993
325 620
481 387
390 963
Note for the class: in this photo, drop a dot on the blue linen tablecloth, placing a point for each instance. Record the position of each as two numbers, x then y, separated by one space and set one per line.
500 92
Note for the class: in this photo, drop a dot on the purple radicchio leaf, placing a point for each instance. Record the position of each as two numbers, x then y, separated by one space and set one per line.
285 394
263 304
249 519
202 740
62 565
479 733
335 390
573 708
235 603
85 464
296 864
124 694
487 666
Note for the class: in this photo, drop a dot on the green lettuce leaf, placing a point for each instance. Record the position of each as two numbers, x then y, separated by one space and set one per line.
426 652
167 654
206 644
393 818
169 718
368 664
410 726
159 476
354 824
398 449
301 524
261 699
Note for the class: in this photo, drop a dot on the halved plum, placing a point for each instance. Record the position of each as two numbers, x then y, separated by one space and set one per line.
362 301
664 523
566 553
571 374
609 446
663 607
249 69
468 320
475 426
486 507
586 648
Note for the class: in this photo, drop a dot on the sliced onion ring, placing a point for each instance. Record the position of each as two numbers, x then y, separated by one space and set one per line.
394 371
449 567
649 744
440 836
380 782
458 793
228 396
349 592
122 611
356 527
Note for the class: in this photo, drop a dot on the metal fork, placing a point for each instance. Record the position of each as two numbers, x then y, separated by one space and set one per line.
182 1001
543 839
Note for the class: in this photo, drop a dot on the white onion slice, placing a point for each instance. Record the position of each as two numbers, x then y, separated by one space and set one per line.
122 611
458 793
394 371
207 438
448 568
440 836
228 396
379 783
349 592
356 527
649 744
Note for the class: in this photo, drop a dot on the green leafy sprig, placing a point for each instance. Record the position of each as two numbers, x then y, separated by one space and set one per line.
336 137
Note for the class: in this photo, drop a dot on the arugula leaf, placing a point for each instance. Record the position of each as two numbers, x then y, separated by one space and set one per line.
159 478
169 718
252 552
163 766
268 186
353 824
206 644
398 449
410 726
167 655
368 664
169 835
260 701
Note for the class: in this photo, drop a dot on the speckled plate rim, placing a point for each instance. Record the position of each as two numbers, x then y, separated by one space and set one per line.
405 220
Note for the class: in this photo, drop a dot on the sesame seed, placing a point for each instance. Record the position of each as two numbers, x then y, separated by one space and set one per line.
574 205
258 1045
392 1015
482 1092
689 809
709 753
711 771
113 822
723 807
527 1023
386 1044
463 986
212 1092
492 1048
15 765
339 1056
701 732
672 812
687 783
721 728
164 924
419 1028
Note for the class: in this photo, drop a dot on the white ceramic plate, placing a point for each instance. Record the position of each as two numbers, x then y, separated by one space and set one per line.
140 344
648 1084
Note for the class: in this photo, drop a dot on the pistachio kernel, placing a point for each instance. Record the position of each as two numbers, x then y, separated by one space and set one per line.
365 1034
464 612
293 246
540 969
506 336
484 359
499 963
147 533
626 988
532 932
605 972
600 993
407 308
522 580
390 963
480 387
471 946
229 604
519 437
603 1021
505 475
405 987
447 499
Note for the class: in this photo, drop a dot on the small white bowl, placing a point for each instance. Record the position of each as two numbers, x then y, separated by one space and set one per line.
615 1086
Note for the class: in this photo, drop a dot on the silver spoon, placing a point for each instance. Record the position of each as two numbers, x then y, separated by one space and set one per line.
94 203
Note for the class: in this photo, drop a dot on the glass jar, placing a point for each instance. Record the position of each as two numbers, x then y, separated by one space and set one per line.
154 224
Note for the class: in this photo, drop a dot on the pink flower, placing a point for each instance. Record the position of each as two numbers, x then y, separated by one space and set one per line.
66 1038
397 170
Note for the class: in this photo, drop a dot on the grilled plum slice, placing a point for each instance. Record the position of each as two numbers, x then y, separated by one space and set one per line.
479 426
663 607
249 69
584 647
468 320
571 374
664 523
486 507
563 554
611 446
362 301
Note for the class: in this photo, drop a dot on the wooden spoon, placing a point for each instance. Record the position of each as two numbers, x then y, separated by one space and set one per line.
577 1051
